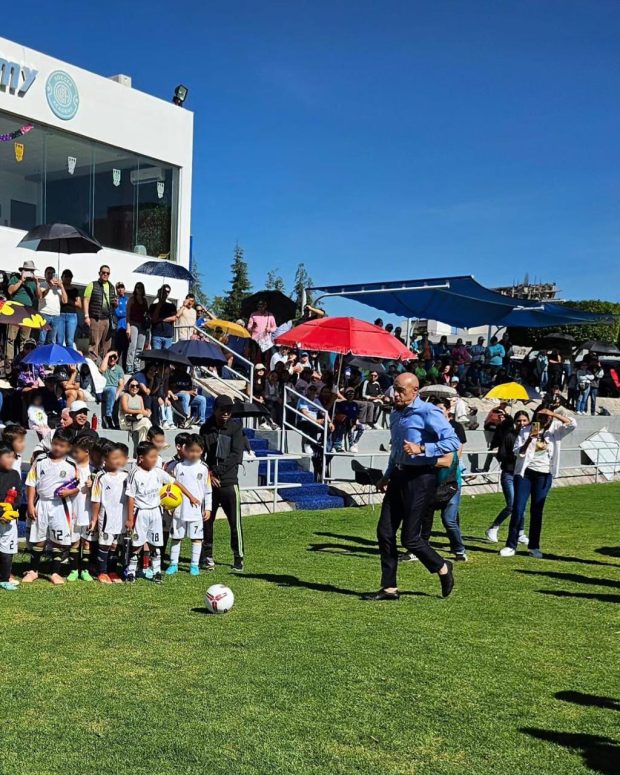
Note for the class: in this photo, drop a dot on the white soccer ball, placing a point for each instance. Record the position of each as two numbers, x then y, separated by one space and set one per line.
219 599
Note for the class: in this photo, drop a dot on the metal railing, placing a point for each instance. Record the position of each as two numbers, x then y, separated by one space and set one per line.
274 485
322 427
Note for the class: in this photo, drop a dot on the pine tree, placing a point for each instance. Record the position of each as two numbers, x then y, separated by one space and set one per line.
240 286
302 280
274 281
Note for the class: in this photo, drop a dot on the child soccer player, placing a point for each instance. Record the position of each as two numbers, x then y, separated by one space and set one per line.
144 513
109 503
180 440
80 532
157 437
49 480
14 437
10 492
187 520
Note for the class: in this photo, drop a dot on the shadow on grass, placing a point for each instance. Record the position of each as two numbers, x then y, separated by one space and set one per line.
344 549
581 560
600 754
594 700
286 580
576 577
609 551
352 539
602 598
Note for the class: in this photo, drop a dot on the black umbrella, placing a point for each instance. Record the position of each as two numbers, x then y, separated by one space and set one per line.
559 341
165 268
281 307
200 353
601 348
59 238
249 409
165 356
368 364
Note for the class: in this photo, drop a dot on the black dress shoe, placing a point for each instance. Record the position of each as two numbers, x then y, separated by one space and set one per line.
383 595
447 580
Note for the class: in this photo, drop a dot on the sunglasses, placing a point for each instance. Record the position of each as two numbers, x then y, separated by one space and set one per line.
134 385
106 273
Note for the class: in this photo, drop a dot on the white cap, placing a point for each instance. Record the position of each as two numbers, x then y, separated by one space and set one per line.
454 379
78 406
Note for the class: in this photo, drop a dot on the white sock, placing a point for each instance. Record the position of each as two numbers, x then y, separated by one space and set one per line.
133 564
175 552
156 561
196 549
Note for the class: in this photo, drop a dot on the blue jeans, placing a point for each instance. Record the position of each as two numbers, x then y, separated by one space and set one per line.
197 404
342 429
161 342
450 519
508 488
536 485
67 326
593 397
582 400
49 336
108 397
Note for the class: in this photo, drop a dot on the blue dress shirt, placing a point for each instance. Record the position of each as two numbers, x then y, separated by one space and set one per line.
420 423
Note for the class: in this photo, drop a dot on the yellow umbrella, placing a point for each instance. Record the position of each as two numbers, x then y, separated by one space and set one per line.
509 391
234 329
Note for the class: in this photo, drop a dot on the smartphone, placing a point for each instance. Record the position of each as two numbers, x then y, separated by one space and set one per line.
535 427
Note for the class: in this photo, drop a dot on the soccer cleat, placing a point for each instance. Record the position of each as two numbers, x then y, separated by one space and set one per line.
383 595
209 563
85 576
130 578
148 574
491 534
407 557
30 576
447 581
104 578
194 570
172 569
57 580
238 565
8 586
14 580
507 551
74 575
523 539
156 577
460 556
115 578
536 553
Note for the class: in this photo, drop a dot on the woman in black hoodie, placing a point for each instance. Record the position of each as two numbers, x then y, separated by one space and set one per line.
504 440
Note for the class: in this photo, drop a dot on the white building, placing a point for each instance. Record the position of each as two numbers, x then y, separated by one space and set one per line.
99 155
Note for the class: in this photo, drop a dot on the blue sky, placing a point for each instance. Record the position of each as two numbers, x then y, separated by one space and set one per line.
381 140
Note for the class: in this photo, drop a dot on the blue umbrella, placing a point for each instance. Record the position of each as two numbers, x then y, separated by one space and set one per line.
54 355
199 353
166 269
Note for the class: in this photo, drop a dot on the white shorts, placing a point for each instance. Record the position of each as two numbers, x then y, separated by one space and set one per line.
148 528
108 539
51 522
80 532
8 537
183 529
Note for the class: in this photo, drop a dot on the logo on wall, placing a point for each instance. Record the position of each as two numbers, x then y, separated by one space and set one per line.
62 95
116 177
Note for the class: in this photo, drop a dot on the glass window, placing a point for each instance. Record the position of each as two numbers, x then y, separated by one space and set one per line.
127 202
21 182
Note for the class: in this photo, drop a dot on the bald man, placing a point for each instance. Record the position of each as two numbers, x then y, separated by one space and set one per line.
420 434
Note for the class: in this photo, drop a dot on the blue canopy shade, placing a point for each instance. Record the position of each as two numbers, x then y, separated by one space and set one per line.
459 301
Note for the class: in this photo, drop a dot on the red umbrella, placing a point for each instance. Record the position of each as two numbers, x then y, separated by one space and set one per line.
346 336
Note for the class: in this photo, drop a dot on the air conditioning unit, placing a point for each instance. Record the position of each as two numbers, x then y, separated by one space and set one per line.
147 175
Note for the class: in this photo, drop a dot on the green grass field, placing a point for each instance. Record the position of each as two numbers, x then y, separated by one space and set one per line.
515 673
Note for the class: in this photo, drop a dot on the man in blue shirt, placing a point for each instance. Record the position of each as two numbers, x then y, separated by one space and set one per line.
121 342
419 434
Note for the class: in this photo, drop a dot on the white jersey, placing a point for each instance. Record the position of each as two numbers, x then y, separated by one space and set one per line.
196 478
17 464
109 491
47 475
81 504
144 486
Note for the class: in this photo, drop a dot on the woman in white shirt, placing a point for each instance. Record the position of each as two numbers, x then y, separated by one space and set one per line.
537 450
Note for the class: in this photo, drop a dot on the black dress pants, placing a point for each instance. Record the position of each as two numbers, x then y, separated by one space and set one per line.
406 503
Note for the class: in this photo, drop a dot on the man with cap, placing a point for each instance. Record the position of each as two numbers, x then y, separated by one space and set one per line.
24 288
79 420
224 445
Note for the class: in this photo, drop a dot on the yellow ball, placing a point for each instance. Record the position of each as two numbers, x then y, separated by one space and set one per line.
170 497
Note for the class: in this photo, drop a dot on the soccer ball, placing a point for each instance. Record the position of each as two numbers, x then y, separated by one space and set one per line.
219 599
170 497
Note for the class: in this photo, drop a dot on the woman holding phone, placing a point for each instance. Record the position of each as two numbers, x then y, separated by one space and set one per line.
537 450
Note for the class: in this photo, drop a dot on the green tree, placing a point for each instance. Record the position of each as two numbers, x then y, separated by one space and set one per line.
240 286
302 280
604 332
197 288
274 281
